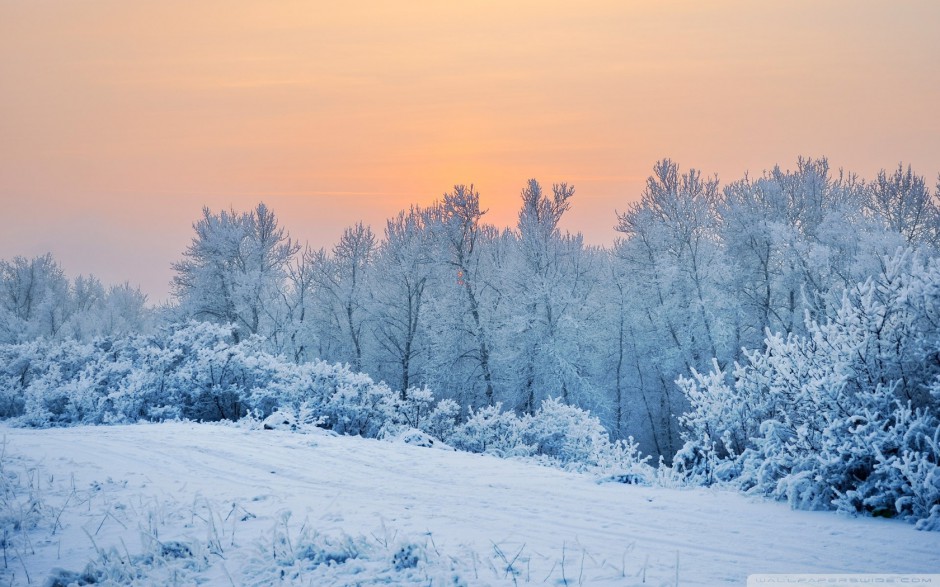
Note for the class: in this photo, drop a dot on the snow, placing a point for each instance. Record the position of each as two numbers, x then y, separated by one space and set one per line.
224 504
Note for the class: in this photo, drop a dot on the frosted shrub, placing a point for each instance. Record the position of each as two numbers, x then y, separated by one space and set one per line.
841 417
917 472
308 416
50 379
922 475
565 433
491 430
699 462
621 461
441 423
558 434
290 385
212 380
333 396
273 394
195 371
411 411
42 404
414 406
105 381
199 371
724 415
16 373
360 407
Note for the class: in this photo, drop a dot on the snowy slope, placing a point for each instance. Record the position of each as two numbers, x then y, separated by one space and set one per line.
188 502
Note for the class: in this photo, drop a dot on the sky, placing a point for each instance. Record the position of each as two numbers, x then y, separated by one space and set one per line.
120 120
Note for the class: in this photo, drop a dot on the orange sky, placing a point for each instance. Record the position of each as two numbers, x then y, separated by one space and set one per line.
120 119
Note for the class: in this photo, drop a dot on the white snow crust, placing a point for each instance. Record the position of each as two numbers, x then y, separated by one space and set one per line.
180 503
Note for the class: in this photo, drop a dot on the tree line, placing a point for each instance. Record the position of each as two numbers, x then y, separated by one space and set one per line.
440 299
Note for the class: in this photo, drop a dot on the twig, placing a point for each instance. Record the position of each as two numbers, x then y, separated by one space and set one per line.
64 505
677 568
509 564
550 571
581 571
224 570
563 579
128 553
434 546
93 543
108 514
103 518
22 562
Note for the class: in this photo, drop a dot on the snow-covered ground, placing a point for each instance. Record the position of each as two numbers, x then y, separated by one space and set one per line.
181 503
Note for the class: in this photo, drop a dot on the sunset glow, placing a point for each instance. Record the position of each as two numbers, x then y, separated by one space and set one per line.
120 120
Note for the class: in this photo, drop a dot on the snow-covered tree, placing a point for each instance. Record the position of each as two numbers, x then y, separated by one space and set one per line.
676 270
341 281
841 416
233 269
460 234
903 203
540 294
401 279
34 298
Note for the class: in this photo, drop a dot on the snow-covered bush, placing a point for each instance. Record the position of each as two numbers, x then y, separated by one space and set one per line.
565 433
197 371
698 462
414 406
360 407
562 433
442 422
622 461
16 372
916 471
188 370
576 440
57 377
841 417
336 397
201 371
491 430
557 434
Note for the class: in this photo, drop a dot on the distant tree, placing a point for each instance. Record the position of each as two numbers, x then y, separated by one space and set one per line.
454 369
550 288
904 204
298 300
795 238
87 300
125 312
233 269
672 255
635 400
458 228
34 298
342 277
401 278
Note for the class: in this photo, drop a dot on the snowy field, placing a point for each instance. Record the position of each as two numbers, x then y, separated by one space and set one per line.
183 503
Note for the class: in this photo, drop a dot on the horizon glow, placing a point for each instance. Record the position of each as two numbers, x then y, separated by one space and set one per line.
120 121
